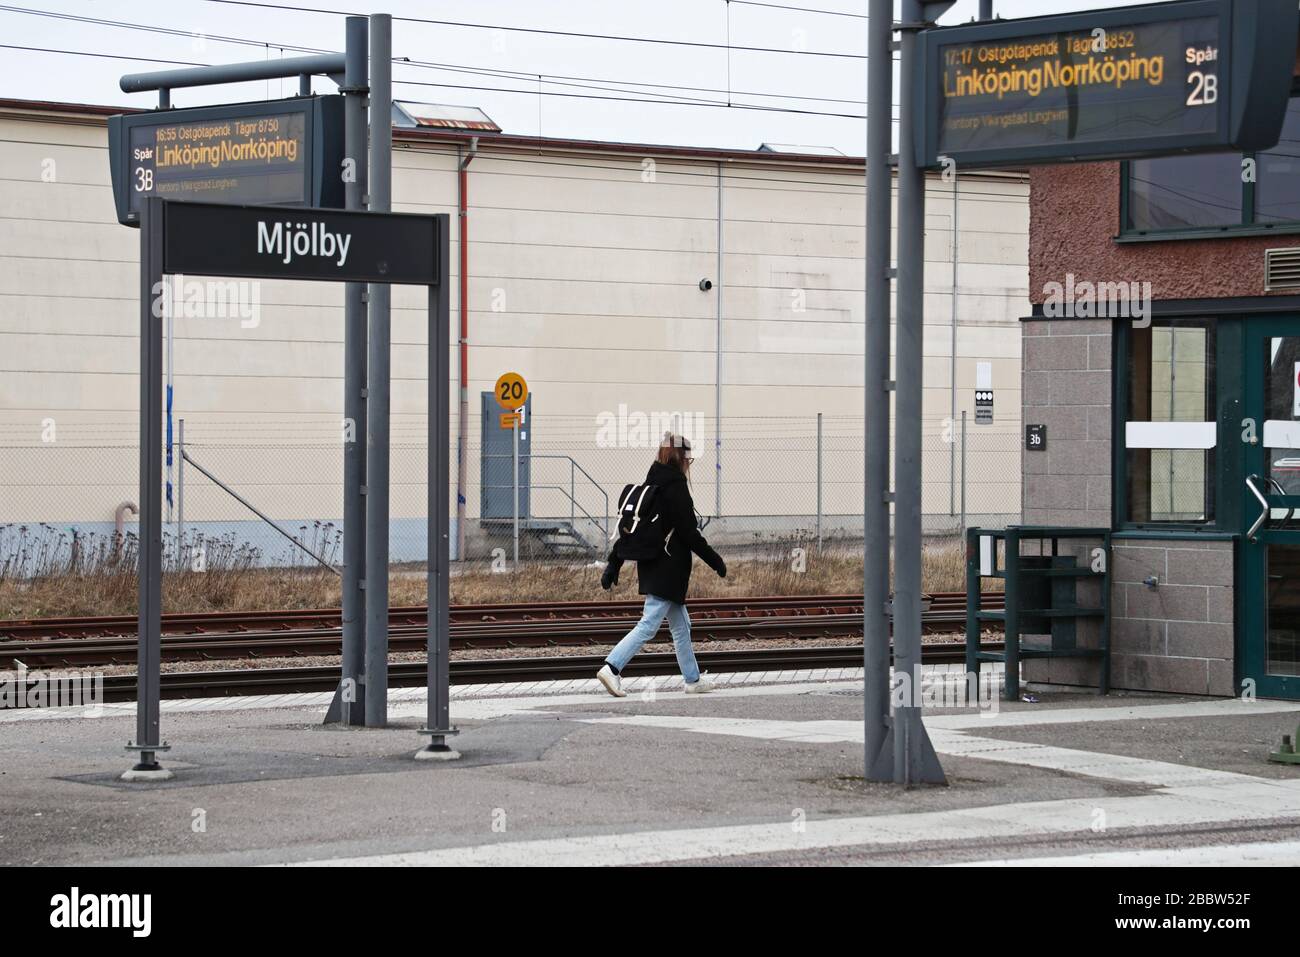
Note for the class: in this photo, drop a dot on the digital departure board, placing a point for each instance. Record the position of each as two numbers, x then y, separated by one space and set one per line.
278 153
1131 81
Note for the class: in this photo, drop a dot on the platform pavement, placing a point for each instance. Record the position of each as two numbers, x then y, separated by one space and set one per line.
761 771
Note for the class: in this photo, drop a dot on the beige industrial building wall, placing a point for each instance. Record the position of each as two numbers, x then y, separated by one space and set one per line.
584 272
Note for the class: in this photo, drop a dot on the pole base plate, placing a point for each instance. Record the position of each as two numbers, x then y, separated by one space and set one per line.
438 752
143 772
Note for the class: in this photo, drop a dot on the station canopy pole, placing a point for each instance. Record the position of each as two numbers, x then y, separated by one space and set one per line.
909 755
875 489
438 723
350 698
149 624
378 395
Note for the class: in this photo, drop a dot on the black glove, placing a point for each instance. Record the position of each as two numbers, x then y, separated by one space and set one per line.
721 568
609 578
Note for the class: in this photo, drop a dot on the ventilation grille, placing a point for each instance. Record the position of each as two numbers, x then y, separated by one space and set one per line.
1282 269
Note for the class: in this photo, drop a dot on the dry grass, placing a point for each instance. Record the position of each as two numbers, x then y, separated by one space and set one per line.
38 580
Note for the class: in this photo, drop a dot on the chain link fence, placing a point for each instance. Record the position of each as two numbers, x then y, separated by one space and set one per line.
774 483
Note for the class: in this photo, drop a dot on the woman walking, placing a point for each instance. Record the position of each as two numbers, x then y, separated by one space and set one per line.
664 580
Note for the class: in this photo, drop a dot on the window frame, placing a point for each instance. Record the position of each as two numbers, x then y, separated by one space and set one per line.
1247 227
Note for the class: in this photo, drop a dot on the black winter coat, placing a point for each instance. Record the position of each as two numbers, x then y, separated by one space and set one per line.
668 577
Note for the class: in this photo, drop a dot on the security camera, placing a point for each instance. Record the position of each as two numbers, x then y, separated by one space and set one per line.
706 285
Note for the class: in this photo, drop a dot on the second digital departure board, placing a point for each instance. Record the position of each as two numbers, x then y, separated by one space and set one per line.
1147 80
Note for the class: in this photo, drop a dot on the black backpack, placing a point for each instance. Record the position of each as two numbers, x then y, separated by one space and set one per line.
643 529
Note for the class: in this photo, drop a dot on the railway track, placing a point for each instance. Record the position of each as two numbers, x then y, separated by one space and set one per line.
258 681
223 622
505 626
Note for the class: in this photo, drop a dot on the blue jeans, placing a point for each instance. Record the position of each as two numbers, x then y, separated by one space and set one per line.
679 623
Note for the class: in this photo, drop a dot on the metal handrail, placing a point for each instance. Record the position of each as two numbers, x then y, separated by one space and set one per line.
573 464
573 503
1251 535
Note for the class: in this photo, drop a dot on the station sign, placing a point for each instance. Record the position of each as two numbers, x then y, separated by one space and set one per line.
282 152
1188 76
1036 438
283 242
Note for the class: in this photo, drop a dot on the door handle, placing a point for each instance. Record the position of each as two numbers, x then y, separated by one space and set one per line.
1264 515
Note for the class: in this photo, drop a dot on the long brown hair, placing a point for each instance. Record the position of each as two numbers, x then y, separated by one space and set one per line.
675 450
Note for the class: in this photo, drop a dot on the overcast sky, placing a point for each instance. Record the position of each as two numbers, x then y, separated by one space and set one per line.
83 79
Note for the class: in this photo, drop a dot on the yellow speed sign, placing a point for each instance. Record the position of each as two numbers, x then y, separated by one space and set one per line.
512 391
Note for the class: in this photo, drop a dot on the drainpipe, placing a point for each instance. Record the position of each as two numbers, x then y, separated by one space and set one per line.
462 338
119 520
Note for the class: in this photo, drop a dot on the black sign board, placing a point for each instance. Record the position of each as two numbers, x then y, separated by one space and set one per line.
1193 75
983 406
281 152
1036 438
283 242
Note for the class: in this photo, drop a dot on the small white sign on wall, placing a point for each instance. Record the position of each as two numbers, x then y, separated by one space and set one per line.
984 375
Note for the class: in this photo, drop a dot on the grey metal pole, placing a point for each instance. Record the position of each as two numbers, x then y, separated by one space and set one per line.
438 720
379 399
986 9
963 471
819 483
149 625
717 370
514 458
356 83
180 488
952 356
914 758
875 486
167 80
169 392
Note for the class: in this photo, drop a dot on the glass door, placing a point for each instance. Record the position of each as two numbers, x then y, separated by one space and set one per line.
1270 585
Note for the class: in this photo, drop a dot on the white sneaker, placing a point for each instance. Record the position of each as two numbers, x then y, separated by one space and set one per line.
703 686
611 682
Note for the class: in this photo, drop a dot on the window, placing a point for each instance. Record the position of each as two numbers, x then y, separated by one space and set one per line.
1171 432
1207 192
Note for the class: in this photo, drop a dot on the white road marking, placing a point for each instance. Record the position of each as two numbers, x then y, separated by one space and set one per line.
1070 818
1187 796
1261 854
958 744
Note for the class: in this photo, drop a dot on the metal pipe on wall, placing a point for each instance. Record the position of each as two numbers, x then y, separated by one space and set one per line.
378 389
717 371
462 339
